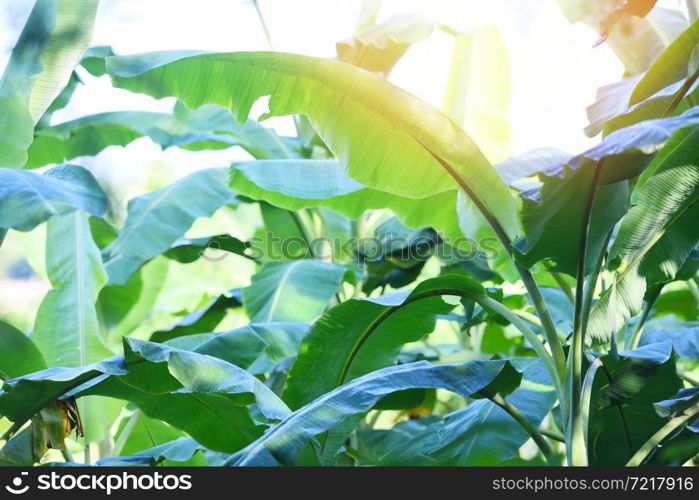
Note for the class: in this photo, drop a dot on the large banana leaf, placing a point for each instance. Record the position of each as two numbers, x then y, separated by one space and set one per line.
295 291
27 199
553 215
209 127
298 184
283 442
196 393
50 45
650 95
655 237
482 433
363 335
384 137
669 67
67 329
157 219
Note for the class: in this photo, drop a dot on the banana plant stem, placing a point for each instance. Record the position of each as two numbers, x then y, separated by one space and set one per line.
528 317
523 421
531 337
647 309
527 278
263 23
577 452
555 435
545 317
562 283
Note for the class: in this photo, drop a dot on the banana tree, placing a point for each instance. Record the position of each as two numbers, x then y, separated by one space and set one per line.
565 310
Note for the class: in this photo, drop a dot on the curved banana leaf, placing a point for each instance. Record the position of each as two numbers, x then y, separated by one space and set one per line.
157 219
283 442
669 67
553 216
18 354
611 101
622 414
257 347
186 250
209 127
363 335
298 184
27 199
657 105
650 95
515 170
296 291
49 47
243 346
482 433
376 130
195 393
655 237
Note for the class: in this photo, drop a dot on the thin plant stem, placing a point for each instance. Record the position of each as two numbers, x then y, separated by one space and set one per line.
647 309
562 283
67 456
677 99
577 454
531 338
126 433
268 36
587 394
530 284
523 421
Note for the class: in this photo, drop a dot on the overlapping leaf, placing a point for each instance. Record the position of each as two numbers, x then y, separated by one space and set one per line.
283 442
28 199
157 219
363 335
375 129
51 44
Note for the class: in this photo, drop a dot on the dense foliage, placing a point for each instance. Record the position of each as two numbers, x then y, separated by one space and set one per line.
372 291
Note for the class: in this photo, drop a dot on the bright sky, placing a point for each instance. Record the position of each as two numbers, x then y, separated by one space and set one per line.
555 70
